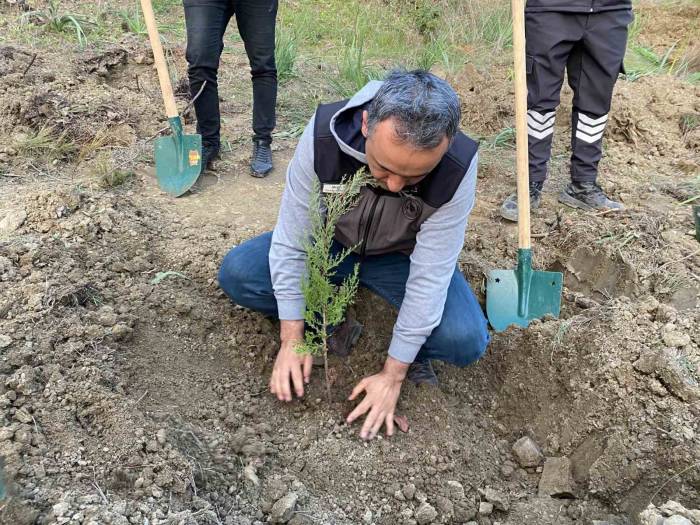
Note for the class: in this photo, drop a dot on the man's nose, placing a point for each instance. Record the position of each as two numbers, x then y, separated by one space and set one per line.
395 184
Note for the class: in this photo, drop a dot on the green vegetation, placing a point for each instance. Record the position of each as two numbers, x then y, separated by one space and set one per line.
285 54
325 302
54 19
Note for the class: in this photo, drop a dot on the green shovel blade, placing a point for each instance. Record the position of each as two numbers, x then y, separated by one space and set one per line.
521 295
178 159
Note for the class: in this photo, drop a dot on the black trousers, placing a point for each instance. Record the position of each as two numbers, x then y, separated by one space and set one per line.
206 22
591 47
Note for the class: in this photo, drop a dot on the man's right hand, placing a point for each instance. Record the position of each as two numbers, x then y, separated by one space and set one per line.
292 369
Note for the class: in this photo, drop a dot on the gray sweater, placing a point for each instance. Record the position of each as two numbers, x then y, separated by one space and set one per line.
433 260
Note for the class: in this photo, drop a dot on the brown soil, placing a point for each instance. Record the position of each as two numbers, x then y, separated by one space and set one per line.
134 396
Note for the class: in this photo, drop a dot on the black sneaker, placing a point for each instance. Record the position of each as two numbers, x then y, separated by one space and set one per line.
344 338
509 209
261 163
588 196
209 154
422 373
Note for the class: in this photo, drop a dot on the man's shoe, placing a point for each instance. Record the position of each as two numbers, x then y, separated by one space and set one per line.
422 373
509 209
261 163
344 337
588 196
209 154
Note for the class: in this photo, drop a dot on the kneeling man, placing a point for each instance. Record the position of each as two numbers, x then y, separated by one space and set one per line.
407 230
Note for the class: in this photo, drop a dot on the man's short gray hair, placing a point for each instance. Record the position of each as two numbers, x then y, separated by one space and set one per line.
424 107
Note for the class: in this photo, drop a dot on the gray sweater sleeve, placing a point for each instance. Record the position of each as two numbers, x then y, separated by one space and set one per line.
433 262
287 255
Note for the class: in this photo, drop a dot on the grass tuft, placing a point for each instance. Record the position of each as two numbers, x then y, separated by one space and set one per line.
285 54
57 21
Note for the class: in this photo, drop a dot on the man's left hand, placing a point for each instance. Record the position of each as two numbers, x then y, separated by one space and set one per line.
382 393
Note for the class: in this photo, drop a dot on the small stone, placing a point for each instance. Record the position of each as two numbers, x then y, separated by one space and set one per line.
464 511
23 436
409 490
156 492
499 500
250 475
445 506
557 480
648 304
507 471
367 517
283 509
674 338
61 509
456 490
23 416
527 453
672 507
425 513
152 446
161 436
12 220
485 508
6 434
5 341
399 496
121 332
677 520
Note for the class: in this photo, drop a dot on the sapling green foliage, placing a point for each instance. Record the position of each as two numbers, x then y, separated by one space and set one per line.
326 302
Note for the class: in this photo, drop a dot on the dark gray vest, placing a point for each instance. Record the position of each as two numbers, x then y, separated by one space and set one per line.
383 221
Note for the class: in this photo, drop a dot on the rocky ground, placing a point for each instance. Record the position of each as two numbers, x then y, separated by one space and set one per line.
133 392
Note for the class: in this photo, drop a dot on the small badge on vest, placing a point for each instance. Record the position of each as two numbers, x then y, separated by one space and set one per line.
333 188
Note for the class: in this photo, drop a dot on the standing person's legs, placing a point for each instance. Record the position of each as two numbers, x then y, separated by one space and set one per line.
549 38
592 75
206 22
256 24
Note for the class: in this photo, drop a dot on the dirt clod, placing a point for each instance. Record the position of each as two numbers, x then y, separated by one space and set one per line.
283 509
557 480
425 514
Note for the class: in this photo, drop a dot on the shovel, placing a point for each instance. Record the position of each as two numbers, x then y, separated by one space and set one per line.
178 156
521 295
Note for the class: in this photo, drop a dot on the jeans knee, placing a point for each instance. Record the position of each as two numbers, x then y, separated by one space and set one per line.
232 278
470 346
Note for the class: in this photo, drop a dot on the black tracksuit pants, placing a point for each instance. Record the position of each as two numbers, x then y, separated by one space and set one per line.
206 22
591 48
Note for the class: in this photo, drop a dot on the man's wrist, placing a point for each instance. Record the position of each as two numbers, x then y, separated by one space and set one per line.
291 330
395 368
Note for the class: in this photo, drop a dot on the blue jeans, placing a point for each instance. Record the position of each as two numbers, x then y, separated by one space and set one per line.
460 338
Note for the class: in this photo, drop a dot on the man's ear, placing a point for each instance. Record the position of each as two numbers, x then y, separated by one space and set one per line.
365 128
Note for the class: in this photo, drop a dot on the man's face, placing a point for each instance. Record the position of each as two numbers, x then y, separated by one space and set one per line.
395 164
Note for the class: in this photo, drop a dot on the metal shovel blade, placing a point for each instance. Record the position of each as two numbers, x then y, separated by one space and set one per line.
521 295
178 159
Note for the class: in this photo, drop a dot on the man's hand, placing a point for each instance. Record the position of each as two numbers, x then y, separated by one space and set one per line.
382 393
291 369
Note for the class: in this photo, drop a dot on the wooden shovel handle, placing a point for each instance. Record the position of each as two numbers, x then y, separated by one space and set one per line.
166 87
521 163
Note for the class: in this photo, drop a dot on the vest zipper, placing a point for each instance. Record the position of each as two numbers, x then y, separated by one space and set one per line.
363 248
